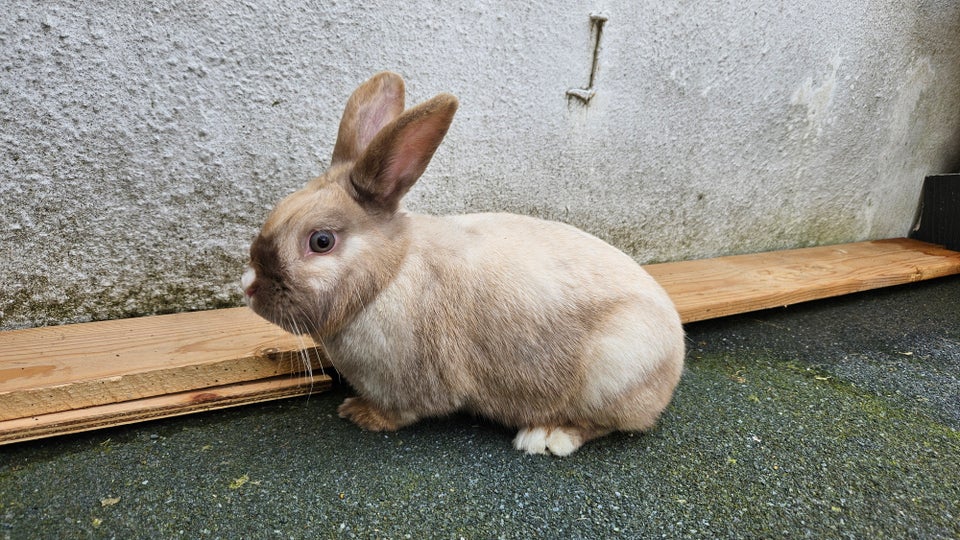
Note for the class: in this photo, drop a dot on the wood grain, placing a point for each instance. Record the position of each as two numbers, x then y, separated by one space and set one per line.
128 412
710 288
45 370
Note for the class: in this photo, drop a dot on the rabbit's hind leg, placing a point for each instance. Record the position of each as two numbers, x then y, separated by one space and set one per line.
560 441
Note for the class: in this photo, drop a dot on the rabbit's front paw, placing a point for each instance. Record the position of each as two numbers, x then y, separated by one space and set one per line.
368 416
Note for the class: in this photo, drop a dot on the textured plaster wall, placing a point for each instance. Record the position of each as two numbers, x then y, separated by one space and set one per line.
141 144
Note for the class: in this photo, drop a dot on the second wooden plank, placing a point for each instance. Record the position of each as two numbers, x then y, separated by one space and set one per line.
165 406
722 286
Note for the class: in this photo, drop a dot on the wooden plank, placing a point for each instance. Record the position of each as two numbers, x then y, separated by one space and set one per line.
165 406
46 370
710 288
76 377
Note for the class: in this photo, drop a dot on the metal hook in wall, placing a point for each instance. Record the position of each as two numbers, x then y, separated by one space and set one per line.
597 20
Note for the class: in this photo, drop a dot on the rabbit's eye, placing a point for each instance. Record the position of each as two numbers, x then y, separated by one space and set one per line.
322 241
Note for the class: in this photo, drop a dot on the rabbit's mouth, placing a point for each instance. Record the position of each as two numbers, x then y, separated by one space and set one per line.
272 301
266 291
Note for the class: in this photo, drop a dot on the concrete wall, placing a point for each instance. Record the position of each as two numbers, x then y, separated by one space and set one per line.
142 144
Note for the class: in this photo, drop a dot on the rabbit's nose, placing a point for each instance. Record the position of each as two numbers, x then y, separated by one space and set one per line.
248 282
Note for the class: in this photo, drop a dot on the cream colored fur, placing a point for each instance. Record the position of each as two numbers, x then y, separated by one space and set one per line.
531 323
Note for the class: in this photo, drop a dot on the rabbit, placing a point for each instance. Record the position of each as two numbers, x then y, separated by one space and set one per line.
533 324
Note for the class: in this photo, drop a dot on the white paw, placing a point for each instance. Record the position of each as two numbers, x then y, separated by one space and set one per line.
531 440
562 443
558 441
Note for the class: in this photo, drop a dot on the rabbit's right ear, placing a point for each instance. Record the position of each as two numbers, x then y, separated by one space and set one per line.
374 104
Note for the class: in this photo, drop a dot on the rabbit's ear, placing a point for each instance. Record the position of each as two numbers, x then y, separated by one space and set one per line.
374 104
399 154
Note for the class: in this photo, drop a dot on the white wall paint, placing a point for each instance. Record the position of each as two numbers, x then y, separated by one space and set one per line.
141 145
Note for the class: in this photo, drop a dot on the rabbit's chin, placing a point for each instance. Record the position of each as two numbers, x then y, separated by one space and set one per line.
282 318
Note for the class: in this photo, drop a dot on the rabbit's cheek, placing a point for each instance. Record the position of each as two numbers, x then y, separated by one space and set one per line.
321 275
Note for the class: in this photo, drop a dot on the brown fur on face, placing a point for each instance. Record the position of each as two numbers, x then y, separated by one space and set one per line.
532 323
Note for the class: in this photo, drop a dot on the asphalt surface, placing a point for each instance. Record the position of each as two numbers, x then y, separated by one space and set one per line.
834 419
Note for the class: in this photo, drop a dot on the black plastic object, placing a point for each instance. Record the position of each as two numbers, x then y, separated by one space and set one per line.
938 220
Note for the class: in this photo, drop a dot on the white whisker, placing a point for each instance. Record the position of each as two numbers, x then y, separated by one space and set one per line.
287 324
306 356
299 354
306 364
296 320
314 334
321 349
359 299
279 331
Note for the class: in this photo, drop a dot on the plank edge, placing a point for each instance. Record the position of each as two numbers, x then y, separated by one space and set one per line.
158 407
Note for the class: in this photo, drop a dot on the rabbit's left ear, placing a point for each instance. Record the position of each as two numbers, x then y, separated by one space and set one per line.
400 152
374 104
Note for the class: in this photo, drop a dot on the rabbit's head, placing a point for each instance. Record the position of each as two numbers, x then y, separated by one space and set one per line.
327 249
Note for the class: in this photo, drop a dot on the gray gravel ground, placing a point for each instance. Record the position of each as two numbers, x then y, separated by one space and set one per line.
835 419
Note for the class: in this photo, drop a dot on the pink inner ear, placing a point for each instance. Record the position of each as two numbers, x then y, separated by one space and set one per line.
375 115
411 154
373 105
